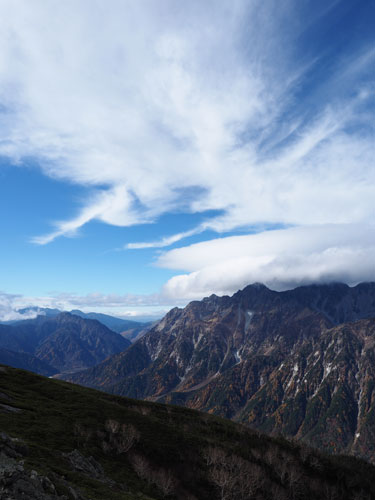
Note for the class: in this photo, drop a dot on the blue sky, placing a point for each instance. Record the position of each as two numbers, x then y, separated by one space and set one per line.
152 153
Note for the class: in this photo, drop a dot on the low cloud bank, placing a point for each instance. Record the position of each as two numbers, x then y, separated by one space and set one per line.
127 306
281 259
8 308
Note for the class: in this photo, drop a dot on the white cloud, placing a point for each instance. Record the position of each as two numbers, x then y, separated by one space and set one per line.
7 310
166 241
143 316
282 259
111 206
143 100
127 305
95 300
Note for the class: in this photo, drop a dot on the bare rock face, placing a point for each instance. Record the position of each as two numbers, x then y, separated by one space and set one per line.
300 362
88 466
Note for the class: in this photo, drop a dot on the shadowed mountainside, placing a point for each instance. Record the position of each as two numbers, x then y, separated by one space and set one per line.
117 325
129 329
65 342
26 362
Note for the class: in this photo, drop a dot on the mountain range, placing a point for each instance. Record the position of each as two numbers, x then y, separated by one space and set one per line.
59 441
115 324
299 362
59 343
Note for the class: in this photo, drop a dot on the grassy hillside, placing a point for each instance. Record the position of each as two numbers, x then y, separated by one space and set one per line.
91 445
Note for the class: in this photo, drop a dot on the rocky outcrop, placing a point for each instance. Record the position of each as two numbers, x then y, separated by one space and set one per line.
88 466
19 483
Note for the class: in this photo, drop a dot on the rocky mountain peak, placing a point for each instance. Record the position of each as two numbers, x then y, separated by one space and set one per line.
295 362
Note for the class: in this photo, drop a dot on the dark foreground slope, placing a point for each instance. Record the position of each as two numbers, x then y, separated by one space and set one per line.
77 443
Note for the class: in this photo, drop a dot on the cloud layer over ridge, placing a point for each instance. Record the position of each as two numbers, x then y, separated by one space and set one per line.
282 259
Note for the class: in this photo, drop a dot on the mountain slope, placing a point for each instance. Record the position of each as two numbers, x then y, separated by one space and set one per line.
65 342
26 362
117 325
281 362
65 442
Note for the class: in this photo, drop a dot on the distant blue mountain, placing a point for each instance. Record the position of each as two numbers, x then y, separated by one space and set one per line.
116 324
26 361
129 329
41 311
65 342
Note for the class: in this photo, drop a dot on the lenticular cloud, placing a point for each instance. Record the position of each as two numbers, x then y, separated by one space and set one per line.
281 259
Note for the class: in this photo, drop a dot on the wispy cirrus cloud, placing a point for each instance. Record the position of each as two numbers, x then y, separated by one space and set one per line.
166 241
140 100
